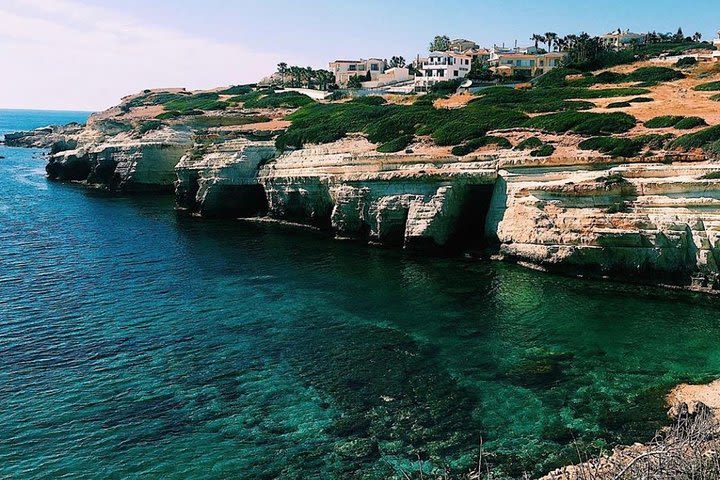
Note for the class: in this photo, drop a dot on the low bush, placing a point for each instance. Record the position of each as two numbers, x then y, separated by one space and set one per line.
612 179
711 176
702 139
641 100
686 62
619 105
272 99
655 74
708 87
199 101
624 147
370 100
149 125
689 123
584 123
396 145
665 121
529 144
715 98
236 90
544 151
474 144
210 121
169 115
447 87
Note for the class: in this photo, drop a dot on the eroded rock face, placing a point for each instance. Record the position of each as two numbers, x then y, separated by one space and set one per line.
223 181
658 220
56 138
124 162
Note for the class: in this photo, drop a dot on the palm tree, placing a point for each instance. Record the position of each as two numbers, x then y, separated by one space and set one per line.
296 76
561 43
324 78
282 70
697 37
308 74
538 39
550 37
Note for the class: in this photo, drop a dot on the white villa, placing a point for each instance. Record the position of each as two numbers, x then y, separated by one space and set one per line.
345 69
391 76
441 67
619 39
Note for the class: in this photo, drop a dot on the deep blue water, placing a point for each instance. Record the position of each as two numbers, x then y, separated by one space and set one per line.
136 343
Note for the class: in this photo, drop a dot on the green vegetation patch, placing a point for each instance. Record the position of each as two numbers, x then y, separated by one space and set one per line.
624 147
711 176
619 105
544 151
665 121
169 115
715 98
708 87
396 145
686 62
149 125
370 100
474 144
529 144
648 76
211 121
324 123
703 139
584 123
689 123
199 101
152 99
272 99
237 90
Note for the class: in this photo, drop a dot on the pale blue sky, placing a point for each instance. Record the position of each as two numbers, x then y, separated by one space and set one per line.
88 53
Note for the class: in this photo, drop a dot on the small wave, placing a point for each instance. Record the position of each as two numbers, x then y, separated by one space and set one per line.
30 179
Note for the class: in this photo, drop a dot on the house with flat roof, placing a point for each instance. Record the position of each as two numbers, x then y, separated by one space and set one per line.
441 67
619 40
525 64
346 69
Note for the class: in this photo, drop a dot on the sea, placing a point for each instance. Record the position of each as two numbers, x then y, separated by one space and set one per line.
136 342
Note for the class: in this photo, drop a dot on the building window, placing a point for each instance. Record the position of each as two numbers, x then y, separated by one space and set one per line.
374 67
441 72
456 73
361 68
352 68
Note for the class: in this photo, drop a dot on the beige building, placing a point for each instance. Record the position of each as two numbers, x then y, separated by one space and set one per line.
619 39
346 69
391 76
460 45
528 64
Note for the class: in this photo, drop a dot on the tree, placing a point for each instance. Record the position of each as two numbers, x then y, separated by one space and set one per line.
397 62
324 78
586 53
368 76
697 37
441 43
296 74
679 36
538 39
354 82
282 70
549 39
480 71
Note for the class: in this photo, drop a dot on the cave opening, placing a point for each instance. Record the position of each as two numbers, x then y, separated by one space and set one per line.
469 234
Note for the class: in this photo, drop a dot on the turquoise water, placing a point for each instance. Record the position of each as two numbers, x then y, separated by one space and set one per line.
135 343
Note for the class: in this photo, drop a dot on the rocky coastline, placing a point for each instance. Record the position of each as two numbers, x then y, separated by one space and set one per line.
653 217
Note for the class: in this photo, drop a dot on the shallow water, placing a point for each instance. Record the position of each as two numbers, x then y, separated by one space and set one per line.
138 343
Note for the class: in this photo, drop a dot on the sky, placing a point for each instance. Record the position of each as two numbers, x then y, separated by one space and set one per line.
87 54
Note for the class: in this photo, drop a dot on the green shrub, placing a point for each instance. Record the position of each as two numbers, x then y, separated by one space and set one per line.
641 100
396 145
655 74
584 123
370 100
715 98
210 121
702 139
689 123
544 151
149 125
199 101
665 121
529 144
272 99
623 147
556 78
619 105
708 87
711 176
169 115
474 144
686 62
447 86
612 180
237 90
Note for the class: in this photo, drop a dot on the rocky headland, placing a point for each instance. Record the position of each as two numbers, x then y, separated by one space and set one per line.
599 174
